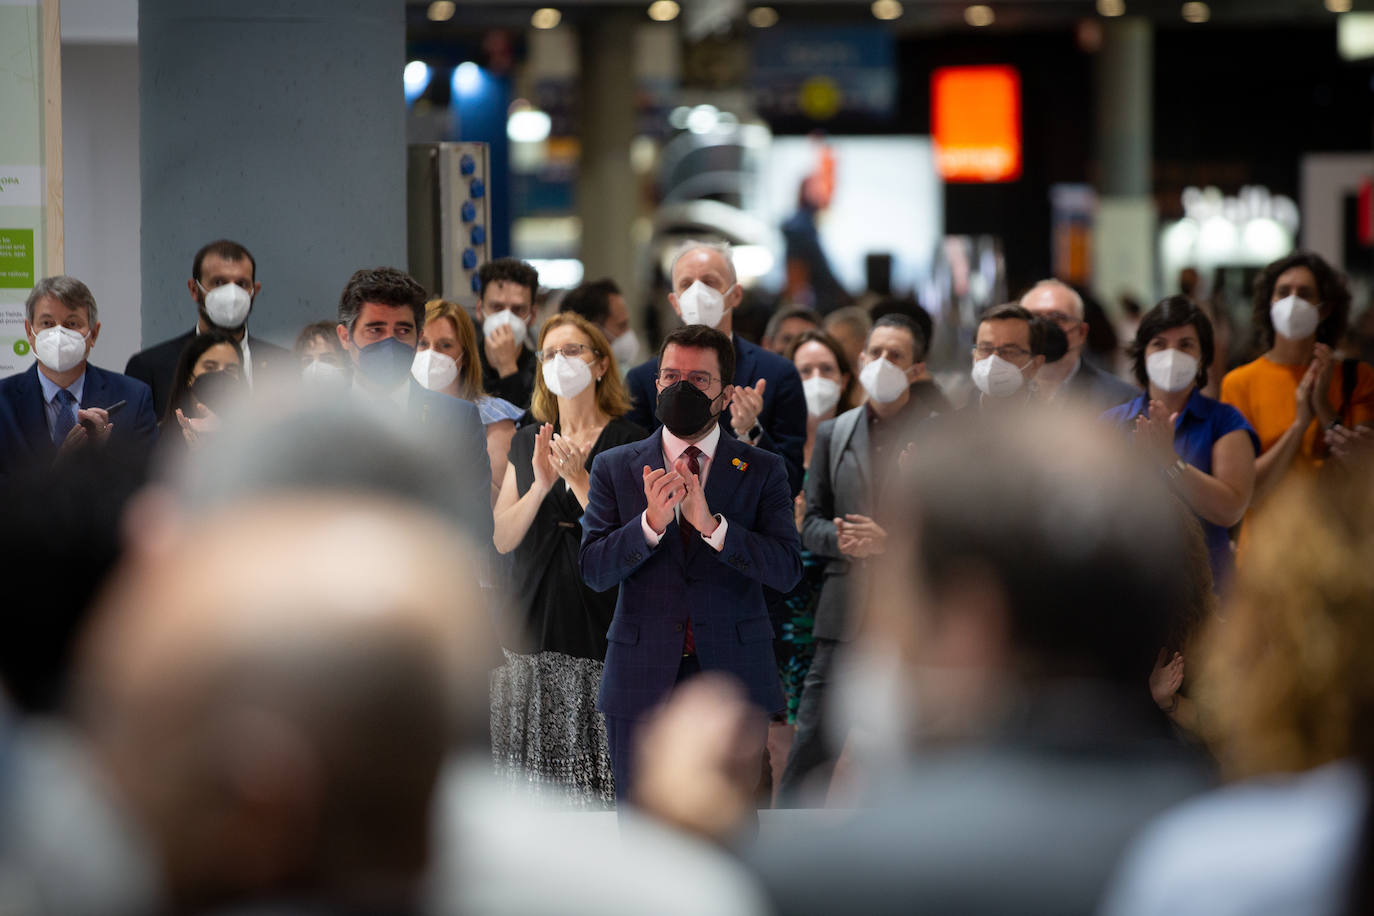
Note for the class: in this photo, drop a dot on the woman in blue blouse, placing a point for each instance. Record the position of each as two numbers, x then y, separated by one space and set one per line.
1205 449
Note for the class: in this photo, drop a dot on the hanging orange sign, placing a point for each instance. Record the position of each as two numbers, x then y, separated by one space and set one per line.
975 116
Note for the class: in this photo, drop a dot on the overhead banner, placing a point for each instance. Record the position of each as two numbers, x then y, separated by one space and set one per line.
822 73
23 190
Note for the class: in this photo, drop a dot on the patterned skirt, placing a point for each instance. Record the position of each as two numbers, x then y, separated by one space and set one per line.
547 738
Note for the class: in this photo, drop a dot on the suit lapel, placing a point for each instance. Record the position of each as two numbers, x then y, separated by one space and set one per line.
724 476
93 393
863 455
29 410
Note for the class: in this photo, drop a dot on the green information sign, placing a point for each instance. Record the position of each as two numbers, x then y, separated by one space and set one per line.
16 259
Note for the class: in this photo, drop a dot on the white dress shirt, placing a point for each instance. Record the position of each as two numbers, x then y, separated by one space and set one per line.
673 447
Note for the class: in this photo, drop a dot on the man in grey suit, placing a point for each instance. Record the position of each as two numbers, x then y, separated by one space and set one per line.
851 470
1072 379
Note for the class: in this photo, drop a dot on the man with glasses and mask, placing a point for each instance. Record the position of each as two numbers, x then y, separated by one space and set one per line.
1072 379
1007 354
381 314
63 404
224 288
768 409
691 524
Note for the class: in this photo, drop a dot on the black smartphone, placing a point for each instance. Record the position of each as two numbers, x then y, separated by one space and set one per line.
115 408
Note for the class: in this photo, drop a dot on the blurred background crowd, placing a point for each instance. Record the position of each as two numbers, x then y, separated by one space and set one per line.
710 458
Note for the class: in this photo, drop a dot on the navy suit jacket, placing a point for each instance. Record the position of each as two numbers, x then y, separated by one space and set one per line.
24 437
783 417
661 588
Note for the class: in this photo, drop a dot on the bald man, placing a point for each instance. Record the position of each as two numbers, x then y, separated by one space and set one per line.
768 409
279 734
1072 380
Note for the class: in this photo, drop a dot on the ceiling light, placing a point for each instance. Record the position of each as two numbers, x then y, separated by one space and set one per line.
529 126
762 17
415 79
1338 6
1196 12
441 10
979 15
546 18
887 9
1111 7
467 79
664 10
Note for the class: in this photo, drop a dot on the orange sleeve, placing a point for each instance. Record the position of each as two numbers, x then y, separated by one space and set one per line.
1362 398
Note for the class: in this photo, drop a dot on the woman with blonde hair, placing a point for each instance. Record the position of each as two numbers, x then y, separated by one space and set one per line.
545 727
1289 678
447 361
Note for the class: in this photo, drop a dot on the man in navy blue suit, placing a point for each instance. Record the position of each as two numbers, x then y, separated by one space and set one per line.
60 405
768 409
691 524
381 314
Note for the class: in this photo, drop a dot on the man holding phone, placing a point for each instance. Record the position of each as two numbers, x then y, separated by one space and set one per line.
63 403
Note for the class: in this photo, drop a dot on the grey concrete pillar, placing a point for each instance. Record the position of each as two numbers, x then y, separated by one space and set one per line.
1124 230
279 124
1125 106
606 185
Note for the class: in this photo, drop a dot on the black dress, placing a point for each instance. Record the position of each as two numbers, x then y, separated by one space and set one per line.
545 730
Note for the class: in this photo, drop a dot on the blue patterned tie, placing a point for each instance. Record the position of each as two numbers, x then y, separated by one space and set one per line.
66 416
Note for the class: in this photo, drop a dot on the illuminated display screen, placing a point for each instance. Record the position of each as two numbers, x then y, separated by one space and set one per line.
976 123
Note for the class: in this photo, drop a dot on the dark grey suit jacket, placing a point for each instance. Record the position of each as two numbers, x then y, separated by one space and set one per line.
839 482
1098 390
156 365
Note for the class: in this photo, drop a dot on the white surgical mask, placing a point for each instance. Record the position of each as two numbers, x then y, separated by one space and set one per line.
822 394
435 370
565 377
59 348
506 318
701 304
227 305
883 381
1171 370
996 377
1295 318
324 377
625 348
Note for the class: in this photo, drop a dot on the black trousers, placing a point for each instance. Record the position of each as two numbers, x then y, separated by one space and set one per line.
621 731
811 761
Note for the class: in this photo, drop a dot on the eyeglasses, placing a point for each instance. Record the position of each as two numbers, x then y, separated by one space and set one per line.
570 350
1009 352
698 379
1063 319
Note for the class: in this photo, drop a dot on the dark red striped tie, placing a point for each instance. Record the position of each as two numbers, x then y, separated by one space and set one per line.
690 534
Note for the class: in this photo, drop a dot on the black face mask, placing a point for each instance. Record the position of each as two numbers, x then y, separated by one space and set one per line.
683 409
216 389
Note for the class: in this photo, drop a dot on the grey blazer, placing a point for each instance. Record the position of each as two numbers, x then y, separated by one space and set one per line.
839 481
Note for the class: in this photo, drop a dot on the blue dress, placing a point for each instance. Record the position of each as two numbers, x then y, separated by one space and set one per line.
1201 422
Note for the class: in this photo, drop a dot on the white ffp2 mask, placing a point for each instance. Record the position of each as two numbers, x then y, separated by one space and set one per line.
566 378
1294 318
996 377
701 304
1171 370
59 348
883 381
822 394
434 370
228 305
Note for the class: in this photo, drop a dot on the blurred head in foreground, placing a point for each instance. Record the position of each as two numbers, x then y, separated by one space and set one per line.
274 688
1290 664
1025 566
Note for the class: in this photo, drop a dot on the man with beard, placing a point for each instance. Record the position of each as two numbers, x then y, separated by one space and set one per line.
223 286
